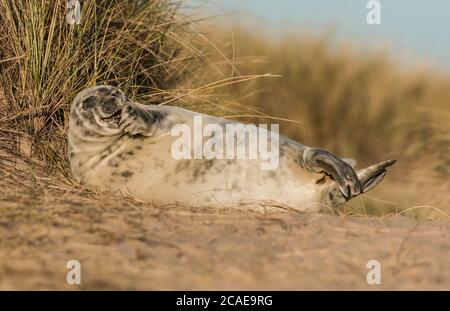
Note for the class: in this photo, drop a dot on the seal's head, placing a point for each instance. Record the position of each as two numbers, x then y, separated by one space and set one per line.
94 127
98 109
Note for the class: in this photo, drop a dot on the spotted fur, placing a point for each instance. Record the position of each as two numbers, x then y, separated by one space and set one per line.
120 145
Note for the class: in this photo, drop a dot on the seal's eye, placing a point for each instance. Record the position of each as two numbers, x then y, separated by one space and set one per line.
115 117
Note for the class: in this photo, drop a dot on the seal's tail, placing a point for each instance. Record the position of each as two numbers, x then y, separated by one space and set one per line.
369 177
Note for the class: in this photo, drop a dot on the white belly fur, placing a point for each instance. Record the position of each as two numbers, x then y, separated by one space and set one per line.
145 169
151 174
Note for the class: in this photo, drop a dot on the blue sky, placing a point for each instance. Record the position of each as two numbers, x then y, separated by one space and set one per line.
418 27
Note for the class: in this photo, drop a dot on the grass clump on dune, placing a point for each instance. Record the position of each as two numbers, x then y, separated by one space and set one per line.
147 48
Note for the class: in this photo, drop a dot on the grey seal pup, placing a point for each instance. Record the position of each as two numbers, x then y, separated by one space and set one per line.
122 146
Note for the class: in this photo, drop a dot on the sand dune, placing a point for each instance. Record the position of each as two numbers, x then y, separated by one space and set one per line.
125 244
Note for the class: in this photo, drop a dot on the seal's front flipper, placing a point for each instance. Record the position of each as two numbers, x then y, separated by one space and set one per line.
138 119
369 178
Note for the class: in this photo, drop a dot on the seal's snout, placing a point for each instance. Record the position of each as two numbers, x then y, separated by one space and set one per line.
109 105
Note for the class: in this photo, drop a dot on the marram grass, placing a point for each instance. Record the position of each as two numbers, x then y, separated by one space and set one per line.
149 49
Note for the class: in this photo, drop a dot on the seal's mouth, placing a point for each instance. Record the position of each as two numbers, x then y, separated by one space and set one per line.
115 117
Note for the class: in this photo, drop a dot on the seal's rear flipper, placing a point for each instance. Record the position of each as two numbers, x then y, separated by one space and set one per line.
373 175
369 178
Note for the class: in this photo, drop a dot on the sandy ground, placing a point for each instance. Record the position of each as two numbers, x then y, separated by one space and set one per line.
125 244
